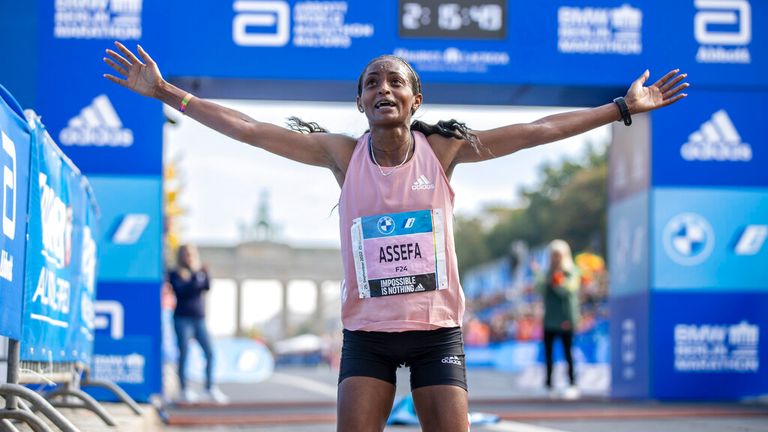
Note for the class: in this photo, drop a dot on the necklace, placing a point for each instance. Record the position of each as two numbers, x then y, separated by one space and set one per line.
373 154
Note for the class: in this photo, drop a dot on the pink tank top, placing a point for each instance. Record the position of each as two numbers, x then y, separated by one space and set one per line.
400 270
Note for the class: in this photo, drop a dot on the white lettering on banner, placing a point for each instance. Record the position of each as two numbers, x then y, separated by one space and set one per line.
9 182
128 369
97 125
97 19
717 348
261 14
110 314
9 206
453 59
52 291
315 24
723 46
53 224
716 140
751 240
130 229
628 348
591 30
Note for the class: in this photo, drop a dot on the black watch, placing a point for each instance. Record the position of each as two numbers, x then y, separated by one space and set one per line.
624 110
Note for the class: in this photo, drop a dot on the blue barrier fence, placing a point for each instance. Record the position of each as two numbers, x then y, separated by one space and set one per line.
48 253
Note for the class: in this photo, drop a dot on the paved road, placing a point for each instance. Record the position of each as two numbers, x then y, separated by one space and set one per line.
303 400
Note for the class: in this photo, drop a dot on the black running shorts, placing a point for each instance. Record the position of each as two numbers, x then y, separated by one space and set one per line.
436 357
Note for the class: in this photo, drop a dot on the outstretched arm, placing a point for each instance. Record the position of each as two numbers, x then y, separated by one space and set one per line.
509 139
143 76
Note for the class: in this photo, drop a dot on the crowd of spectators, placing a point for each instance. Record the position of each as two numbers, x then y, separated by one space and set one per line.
515 312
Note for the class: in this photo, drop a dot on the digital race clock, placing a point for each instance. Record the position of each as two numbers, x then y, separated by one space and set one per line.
458 19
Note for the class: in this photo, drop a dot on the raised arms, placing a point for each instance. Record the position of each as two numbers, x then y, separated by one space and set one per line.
143 76
509 139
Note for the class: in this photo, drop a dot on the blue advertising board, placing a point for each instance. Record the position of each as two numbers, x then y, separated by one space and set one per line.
630 345
14 159
467 42
628 244
712 347
130 275
130 241
102 127
498 43
127 350
716 138
710 239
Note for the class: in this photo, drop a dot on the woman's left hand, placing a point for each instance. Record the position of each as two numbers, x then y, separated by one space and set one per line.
663 92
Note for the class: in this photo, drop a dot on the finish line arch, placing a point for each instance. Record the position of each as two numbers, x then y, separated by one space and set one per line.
683 181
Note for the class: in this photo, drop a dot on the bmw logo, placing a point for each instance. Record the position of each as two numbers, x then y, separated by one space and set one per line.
688 239
386 225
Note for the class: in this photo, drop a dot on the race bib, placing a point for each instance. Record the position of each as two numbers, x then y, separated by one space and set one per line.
399 253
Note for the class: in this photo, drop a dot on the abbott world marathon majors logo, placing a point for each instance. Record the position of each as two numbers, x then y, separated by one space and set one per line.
716 140
688 239
315 24
595 30
723 29
97 125
97 19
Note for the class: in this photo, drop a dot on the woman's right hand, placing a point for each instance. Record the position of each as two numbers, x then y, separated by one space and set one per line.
143 78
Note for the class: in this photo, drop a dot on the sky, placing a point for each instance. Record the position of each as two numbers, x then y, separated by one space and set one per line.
224 179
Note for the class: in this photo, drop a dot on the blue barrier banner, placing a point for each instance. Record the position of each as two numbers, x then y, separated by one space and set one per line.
14 159
711 348
710 239
472 42
84 261
130 242
51 291
718 140
128 347
628 244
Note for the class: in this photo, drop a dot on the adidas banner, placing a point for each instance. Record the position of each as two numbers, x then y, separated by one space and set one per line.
717 141
103 128
14 157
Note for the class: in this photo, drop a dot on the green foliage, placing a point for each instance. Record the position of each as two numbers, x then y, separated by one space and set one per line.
570 202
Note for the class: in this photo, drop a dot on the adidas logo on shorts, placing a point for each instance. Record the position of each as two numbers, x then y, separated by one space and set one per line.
452 360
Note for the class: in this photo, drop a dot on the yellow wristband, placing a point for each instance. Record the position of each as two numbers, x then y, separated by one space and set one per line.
184 102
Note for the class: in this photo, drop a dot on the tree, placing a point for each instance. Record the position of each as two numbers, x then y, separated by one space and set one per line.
570 202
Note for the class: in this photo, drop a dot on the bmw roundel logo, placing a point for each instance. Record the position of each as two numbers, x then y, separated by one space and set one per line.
386 225
688 239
